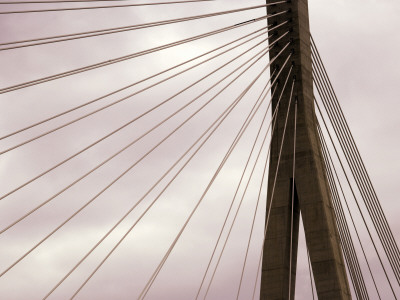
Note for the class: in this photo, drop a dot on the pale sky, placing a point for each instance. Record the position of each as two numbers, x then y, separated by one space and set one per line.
359 43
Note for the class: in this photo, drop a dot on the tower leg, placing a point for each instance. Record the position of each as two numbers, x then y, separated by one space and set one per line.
312 192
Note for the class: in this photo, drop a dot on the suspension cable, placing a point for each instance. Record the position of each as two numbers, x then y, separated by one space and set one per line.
234 219
262 248
129 168
230 208
258 200
62 1
258 274
157 271
126 147
245 189
354 167
120 241
123 149
226 218
237 211
127 57
133 84
355 199
98 7
220 119
377 220
147 78
344 233
255 210
356 154
127 97
359 171
273 189
141 91
79 1
293 195
101 32
348 208
152 280
279 158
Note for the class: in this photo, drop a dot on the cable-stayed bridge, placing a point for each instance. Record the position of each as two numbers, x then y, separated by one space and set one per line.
174 149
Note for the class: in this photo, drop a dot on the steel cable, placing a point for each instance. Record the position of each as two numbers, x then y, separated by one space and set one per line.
274 118
377 220
130 85
334 172
244 191
357 166
99 7
240 203
342 239
141 81
350 214
150 282
58 1
344 233
261 253
111 6
221 231
128 97
101 32
356 201
279 158
120 241
126 57
219 120
382 239
230 229
273 187
254 215
356 152
228 213
127 146
103 138
257 204
128 169
100 109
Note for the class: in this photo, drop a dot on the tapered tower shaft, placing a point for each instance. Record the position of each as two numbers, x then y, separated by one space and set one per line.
312 196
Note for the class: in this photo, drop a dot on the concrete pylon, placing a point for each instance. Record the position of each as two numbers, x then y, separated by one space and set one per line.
312 196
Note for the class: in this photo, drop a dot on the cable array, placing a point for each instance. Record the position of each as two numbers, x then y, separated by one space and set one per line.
240 75
95 33
329 161
344 232
255 58
99 7
63 1
137 139
356 164
262 52
218 121
122 99
127 57
233 222
130 122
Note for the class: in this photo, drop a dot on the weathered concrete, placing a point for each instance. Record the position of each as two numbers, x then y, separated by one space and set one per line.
312 194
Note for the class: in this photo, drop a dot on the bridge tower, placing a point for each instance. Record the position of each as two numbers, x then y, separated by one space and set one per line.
311 191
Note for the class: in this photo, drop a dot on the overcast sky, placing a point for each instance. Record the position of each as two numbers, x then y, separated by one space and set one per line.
359 43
